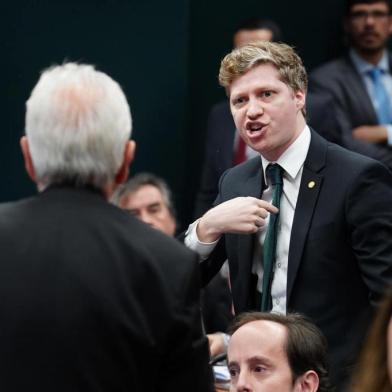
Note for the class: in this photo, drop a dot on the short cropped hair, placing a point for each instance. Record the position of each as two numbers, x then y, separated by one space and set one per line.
350 3
283 57
77 123
141 179
260 24
306 346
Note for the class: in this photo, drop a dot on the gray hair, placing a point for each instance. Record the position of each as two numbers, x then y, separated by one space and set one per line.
77 123
141 179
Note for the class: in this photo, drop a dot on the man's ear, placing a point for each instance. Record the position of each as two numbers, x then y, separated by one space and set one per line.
299 97
24 145
129 153
308 382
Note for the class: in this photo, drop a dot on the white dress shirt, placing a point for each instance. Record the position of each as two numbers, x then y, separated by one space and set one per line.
292 161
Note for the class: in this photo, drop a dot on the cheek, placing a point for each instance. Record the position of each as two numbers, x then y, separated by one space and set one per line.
237 117
163 219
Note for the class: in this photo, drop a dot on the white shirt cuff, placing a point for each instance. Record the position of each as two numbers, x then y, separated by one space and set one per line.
204 249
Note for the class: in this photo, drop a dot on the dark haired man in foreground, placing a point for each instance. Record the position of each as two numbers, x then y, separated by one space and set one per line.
270 352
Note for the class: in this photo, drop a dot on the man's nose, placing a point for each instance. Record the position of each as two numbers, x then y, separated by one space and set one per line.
255 109
243 384
370 19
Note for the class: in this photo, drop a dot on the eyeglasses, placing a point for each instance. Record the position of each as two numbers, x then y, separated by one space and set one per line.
363 15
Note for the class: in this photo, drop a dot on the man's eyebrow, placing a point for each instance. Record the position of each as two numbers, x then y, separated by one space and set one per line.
232 363
154 204
259 359
236 95
253 359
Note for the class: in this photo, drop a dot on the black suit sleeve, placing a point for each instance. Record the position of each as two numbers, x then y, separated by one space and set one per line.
186 356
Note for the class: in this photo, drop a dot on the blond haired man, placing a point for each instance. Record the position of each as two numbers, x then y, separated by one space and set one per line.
325 252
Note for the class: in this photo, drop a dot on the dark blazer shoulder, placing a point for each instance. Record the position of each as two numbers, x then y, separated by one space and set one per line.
244 179
242 170
334 68
350 167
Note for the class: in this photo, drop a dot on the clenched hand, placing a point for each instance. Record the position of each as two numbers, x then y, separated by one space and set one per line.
242 215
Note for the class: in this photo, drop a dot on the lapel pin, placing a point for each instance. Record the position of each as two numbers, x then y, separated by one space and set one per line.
311 184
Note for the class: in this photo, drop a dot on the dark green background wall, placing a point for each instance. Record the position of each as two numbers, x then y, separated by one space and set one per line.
165 55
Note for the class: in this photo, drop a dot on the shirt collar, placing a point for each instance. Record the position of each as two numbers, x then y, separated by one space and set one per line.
294 157
363 66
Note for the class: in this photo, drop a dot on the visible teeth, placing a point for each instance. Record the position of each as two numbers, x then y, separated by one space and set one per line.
254 127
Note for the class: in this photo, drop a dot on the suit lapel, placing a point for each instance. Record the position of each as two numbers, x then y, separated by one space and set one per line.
254 187
311 184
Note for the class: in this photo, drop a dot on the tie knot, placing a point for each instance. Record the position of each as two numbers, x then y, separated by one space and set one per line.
274 174
375 73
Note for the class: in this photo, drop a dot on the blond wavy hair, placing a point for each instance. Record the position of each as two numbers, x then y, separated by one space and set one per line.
283 57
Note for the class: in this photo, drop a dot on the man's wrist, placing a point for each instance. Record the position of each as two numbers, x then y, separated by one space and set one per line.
193 242
206 232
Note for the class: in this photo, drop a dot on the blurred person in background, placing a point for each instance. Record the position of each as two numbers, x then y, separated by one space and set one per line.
374 371
360 82
149 198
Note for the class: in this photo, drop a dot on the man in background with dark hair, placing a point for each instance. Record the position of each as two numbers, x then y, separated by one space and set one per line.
270 352
360 83
149 198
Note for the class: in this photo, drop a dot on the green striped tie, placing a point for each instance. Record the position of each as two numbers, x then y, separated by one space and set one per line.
274 174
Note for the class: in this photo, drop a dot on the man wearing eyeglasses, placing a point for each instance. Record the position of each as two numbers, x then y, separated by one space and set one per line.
361 82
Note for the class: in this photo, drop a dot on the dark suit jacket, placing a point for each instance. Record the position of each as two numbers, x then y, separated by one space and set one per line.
219 146
340 256
91 299
340 79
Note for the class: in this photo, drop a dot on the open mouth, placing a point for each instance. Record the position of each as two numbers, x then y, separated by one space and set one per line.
255 129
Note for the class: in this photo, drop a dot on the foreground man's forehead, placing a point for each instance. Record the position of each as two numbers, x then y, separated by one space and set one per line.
258 338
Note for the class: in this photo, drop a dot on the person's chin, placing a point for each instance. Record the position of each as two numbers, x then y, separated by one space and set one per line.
371 43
